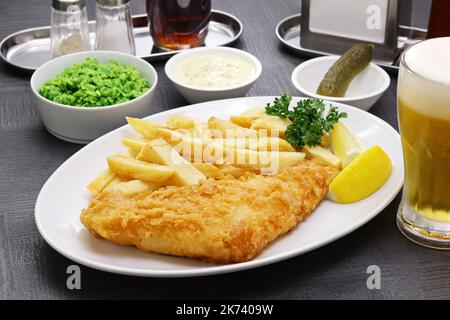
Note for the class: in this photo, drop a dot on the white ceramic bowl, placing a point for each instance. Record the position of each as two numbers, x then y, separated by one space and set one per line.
362 93
82 125
195 94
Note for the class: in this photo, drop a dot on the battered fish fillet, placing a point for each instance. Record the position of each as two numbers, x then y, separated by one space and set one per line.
222 221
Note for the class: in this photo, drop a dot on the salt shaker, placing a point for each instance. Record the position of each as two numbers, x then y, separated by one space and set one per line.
114 29
69 30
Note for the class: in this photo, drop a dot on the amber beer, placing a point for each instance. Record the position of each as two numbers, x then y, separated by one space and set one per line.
178 24
424 119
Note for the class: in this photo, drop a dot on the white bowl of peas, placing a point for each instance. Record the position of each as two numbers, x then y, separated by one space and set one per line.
84 95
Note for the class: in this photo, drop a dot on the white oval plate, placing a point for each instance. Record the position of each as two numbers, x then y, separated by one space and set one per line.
64 195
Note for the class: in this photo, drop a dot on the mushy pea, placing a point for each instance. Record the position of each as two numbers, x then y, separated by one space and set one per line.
94 84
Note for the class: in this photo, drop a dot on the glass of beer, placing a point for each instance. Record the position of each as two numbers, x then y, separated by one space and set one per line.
423 95
178 24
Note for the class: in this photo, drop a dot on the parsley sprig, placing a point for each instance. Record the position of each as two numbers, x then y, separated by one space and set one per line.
308 122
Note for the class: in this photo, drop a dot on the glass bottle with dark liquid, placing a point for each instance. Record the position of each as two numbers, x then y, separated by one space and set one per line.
439 23
178 24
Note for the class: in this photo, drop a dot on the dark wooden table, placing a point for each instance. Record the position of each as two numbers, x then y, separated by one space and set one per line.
30 269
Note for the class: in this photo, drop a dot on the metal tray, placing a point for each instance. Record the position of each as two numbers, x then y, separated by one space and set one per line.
30 48
288 32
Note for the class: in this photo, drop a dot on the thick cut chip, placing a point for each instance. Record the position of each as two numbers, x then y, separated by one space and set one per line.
159 151
133 187
273 124
322 154
135 144
144 127
101 182
178 121
246 118
209 170
130 168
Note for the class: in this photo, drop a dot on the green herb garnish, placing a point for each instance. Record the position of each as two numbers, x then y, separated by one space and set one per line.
308 122
94 84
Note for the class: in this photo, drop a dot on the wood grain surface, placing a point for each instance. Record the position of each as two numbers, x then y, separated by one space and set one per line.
30 269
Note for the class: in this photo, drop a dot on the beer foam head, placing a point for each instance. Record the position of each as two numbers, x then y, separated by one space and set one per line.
431 59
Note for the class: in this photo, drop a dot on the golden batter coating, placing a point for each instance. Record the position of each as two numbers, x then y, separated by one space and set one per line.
222 221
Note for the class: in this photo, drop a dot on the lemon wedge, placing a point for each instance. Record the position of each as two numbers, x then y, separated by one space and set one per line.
345 143
363 176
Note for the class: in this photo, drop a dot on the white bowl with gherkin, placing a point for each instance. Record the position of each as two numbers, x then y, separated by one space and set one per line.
351 78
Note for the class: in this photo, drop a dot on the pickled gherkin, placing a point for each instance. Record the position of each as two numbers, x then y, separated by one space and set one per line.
344 70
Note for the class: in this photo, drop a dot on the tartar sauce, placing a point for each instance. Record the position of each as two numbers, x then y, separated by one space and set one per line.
214 71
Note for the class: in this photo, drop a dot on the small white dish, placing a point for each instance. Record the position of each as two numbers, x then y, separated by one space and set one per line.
196 94
64 195
84 124
363 92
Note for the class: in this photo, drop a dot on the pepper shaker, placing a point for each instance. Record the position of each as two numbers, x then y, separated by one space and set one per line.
114 28
69 27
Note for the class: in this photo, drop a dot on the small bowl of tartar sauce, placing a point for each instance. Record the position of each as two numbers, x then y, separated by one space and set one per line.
204 74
